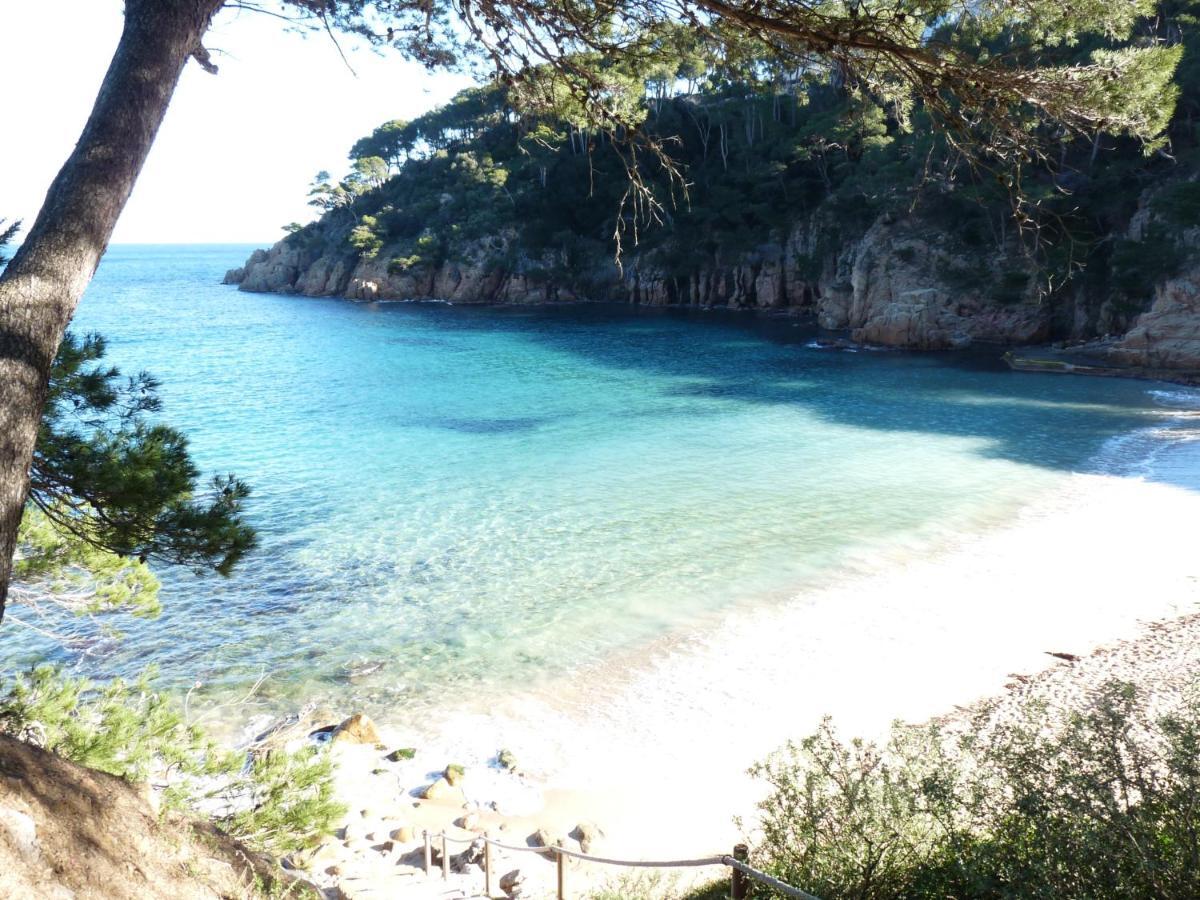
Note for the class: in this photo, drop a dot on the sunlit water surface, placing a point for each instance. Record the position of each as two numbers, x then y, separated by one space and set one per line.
458 500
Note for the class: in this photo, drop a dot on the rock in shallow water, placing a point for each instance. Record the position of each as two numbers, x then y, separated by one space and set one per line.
439 790
358 729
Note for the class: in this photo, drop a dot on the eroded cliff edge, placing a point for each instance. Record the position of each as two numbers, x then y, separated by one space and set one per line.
900 283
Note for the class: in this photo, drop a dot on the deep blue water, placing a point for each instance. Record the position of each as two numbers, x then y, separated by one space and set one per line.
489 496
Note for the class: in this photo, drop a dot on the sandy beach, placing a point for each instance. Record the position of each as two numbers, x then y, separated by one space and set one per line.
652 748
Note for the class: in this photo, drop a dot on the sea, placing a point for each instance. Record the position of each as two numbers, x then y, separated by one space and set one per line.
458 502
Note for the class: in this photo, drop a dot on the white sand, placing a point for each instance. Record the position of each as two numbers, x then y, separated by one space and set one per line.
654 746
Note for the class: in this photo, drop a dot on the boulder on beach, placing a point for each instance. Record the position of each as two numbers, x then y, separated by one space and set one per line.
311 858
588 834
507 760
358 729
440 790
544 837
401 754
512 882
468 821
405 834
472 856
455 774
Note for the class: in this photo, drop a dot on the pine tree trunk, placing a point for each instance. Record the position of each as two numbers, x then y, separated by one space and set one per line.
46 277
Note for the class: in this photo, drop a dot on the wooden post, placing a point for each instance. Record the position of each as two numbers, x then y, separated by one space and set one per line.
445 859
562 874
487 866
428 853
739 889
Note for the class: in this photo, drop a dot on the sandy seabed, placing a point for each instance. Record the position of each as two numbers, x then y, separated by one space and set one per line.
653 747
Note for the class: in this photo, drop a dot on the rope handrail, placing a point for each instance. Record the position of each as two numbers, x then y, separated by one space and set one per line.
550 851
726 860
768 880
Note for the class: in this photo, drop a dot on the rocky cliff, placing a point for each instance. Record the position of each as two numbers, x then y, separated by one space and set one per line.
895 285
901 283
1167 336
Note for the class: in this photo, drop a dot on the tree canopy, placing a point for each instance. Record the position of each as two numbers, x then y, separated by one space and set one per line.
105 472
985 72
112 489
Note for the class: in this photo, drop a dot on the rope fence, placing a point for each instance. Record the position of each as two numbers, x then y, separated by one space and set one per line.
741 872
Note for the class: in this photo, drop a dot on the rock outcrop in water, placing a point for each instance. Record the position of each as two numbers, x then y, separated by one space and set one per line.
897 285
1168 335
1164 340
284 269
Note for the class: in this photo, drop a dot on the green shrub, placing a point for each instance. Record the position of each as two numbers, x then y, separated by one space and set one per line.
398 265
289 800
850 819
1138 265
655 886
55 567
1101 802
365 239
1180 204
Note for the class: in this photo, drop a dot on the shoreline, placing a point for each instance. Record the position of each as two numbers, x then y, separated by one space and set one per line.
652 747
1046 357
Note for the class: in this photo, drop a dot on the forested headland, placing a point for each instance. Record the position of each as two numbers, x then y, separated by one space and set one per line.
789 188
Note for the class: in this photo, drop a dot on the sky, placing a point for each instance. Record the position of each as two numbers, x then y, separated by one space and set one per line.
235 156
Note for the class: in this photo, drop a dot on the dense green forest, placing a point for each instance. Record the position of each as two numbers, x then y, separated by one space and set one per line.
510 178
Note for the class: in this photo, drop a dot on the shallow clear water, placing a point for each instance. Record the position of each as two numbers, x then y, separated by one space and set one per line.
484 498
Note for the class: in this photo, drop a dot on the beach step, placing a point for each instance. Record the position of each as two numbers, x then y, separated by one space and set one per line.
404 887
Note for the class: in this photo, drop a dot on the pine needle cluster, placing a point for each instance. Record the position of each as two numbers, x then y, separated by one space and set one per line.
274 801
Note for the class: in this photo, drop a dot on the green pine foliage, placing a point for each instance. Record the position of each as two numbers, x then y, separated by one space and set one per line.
78 575
275 801
111 475
128 730
988 74
290 800
8 231
112 487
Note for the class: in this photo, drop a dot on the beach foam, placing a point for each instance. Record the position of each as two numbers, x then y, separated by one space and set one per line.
658 741
654 744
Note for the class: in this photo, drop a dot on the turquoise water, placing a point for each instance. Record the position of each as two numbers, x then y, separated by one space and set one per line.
465 499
